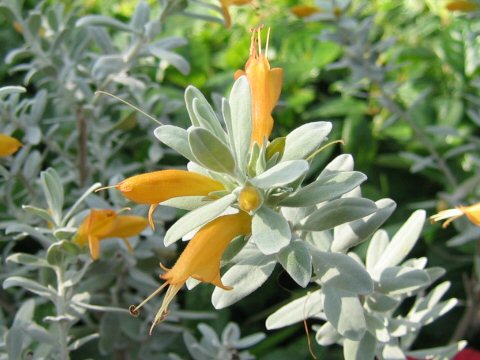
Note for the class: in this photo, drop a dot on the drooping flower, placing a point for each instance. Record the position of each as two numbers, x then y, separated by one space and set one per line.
103 224
462 5
302 11
226 4
200 259
471 212
265 85
8 145
158 186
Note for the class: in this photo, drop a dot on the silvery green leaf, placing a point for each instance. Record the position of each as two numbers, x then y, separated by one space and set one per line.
171 42
14 342
377 246
230 333
24 315
429 315
237 114
341 271
344 311
363 349
297 262
270 231
381 302
32 165
248 341
197 218
57 252
191 93
28 260
245 277
42 213
254 159
101 20
438 353
326 188
40 334
341 163
107 65
26 229
175 138
79 201
8 90
210 151
416 263
308 306
236 245
401 327
74 345
377 326
327 335
109 334
401 280
337 212
402 242
305 139
38 108
431 299
435 273
351 234
140 16
281 174
186 202
53 191
207 117
393 352
30 285
321 240
172 58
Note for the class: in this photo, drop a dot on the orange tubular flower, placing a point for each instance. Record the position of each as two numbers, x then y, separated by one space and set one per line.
471 212
200 259
265 84
158 186
302 11
103 224
225 4
462 5
8 145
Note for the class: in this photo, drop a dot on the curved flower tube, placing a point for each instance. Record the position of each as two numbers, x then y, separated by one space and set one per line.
8 145
471 212
200 260
226 4
265 85
103 224
158 186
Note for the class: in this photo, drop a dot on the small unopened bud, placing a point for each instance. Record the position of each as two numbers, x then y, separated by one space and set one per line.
250 198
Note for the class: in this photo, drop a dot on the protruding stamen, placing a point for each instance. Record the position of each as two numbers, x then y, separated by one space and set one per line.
134 309
105 188
266 44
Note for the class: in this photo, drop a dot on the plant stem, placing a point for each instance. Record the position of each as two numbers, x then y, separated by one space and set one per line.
61 308
82 146
397 109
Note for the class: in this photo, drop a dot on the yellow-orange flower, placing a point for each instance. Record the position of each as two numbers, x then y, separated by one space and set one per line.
103 224
226 4
158 186
250 198
265 85
471 212
8 145
302 11
462 5
200 259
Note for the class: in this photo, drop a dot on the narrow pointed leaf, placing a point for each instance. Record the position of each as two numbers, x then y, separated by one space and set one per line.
305 139
270 231
210 151
281 174
337 212
197 218
326 188
176 138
